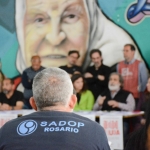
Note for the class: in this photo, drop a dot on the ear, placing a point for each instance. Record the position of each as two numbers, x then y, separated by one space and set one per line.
33 104
72 101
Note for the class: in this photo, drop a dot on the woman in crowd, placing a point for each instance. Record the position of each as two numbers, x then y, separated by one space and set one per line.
140 139
85 97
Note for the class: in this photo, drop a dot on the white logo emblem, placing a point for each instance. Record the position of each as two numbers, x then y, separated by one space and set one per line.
26 127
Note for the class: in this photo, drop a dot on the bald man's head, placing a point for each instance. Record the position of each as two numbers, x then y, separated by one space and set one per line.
36 62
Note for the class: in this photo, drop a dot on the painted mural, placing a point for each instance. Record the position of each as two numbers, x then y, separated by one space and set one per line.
50 28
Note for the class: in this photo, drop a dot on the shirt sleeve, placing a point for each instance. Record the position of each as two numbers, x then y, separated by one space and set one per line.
79 69
96 105
26 82
143 77
101 138
1 98
92 80
106 75
1 139
20 97
90 101
117 68
130 105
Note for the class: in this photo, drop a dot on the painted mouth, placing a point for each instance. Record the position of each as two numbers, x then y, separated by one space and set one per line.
55 56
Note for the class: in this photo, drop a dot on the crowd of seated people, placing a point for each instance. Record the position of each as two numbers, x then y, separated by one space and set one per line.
98 81
96 87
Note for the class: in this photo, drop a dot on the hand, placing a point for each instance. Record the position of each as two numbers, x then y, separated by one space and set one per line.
139 88
5 107
70 75
143 121
100 77
77 72
113 103
101 100
88 75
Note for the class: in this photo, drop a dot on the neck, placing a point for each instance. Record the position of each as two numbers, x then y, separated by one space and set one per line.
112 92
129 60
8 95
69 65
77 91
55 108
97 66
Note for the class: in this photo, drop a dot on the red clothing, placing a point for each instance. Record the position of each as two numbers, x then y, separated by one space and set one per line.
129 73
17 81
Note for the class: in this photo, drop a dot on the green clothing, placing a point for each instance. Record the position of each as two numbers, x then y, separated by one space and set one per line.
86 101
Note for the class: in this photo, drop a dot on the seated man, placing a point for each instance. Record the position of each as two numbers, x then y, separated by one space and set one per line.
115 98
27 78
71 68
10 99
53 126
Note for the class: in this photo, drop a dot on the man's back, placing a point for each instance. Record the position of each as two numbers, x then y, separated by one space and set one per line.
53 130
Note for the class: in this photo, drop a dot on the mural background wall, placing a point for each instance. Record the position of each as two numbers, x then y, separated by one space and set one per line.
133 22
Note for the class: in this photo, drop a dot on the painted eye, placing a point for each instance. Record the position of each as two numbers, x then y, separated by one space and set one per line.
71 18
39 20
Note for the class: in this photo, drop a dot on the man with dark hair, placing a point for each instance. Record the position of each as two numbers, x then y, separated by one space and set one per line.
27 78
71 68
53 126
134 73
10 99
98 74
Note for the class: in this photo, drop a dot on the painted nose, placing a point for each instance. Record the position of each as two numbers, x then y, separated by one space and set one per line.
56 36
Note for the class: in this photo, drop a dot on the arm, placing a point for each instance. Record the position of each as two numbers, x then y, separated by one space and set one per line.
78 70
90 101
103 79
130 106
0 106
143 77
99 103
90 79
27 83
18 106
96 105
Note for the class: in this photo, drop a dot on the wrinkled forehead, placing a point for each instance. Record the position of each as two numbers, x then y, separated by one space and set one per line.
114 77
51 4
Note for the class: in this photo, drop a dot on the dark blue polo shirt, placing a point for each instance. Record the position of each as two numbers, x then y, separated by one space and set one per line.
52 130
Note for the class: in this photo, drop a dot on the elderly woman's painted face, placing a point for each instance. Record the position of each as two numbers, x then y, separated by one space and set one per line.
53 27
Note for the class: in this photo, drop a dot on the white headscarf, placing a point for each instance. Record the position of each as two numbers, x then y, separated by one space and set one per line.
104 35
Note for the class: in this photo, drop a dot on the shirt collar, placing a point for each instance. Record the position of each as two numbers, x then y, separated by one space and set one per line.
114 94
131 62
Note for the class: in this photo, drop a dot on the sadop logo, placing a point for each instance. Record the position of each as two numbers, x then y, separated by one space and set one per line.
26 127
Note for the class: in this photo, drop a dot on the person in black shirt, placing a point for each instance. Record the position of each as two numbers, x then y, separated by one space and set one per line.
71 68
97 75
10 99
54 126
